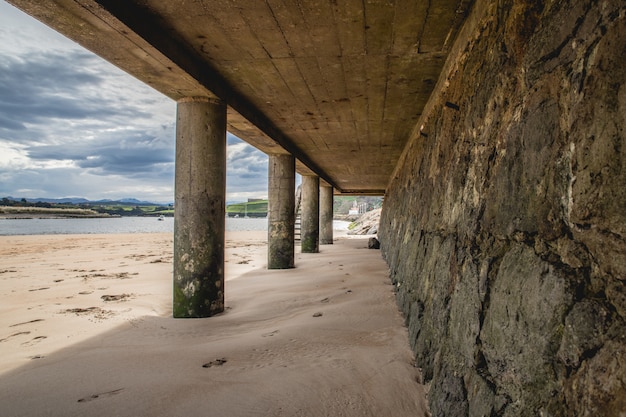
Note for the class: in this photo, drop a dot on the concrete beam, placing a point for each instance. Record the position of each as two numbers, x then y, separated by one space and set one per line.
200 207
310 223
281 213
152 28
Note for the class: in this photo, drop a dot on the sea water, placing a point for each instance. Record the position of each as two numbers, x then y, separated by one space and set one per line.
121 225
111 225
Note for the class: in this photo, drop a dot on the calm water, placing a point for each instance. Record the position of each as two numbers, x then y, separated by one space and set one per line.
110 225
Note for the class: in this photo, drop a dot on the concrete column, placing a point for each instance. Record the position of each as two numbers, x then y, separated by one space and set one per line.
326 215
200 199
310 220
281 211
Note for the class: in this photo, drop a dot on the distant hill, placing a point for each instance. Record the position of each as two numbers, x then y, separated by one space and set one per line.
80 200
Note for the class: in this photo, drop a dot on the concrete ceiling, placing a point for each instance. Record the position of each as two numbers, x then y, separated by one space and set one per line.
340 84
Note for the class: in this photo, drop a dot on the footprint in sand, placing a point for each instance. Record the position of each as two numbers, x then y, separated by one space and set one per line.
216 362
270 333
82 310
26 322
34 341
100 395
13 335
93 312
117 297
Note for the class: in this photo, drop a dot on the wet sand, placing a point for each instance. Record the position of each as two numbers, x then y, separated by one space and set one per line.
86 329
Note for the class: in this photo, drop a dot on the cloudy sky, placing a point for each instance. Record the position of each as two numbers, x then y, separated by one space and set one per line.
73 125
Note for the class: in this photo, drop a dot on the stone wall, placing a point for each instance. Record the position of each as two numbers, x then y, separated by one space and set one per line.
505 224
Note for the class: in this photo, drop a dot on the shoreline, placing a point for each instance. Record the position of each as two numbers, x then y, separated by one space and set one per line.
121 224
25 216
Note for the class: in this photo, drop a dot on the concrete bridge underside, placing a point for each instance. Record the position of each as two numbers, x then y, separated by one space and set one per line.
337 84
337 87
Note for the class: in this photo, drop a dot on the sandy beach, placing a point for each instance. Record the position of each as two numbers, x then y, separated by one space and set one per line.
86 330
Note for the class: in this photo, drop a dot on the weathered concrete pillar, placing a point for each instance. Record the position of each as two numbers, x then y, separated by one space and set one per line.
281 213
326 215
310 221
200 207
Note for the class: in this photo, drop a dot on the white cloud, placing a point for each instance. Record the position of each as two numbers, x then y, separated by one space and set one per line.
12 156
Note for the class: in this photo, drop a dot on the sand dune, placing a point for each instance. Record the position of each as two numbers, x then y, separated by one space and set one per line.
85 329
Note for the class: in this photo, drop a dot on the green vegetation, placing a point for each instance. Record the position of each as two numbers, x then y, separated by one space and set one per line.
26 208
254 208
67 212
134 210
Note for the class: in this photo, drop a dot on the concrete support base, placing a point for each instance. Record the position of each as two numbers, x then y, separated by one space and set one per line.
200 207
281 214
310 223
326 215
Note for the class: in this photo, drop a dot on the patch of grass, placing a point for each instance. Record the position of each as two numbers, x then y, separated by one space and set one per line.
251 208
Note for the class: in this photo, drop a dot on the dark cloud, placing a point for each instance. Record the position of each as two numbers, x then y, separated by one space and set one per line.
10 124
138 157
44 86
107 160
247 170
